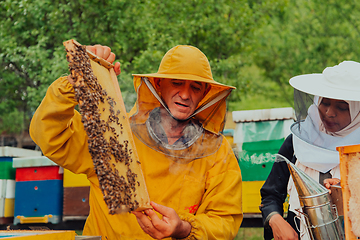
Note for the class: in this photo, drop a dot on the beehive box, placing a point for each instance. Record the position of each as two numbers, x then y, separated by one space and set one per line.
38 190
257 159
7 197
7 180
349 171
44 235
6 156
6 169
7 200
37 235
258 136
251 196
76 196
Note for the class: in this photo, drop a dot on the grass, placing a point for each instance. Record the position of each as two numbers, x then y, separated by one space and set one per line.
250 234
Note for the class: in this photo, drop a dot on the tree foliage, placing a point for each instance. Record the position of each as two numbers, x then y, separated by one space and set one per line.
138 31
253 45
306 37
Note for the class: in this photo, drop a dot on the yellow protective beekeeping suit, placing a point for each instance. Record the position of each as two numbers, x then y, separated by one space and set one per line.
204 189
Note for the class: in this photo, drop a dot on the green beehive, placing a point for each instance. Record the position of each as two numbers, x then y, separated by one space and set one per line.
258 136
6 169
256 159
6 160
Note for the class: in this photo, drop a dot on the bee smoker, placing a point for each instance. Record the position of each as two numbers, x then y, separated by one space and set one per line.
321 216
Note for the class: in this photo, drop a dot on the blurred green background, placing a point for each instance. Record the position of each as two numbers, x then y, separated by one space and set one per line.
256 46
253 45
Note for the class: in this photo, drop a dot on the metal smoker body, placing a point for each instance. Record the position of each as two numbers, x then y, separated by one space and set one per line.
322 219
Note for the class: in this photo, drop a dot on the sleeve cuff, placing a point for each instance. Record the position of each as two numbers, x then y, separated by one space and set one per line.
266 223
194 226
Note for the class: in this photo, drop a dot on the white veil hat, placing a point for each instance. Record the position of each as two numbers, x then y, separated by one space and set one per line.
339 82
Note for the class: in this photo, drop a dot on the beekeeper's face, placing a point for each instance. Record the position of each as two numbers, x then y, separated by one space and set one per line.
334 114
181 96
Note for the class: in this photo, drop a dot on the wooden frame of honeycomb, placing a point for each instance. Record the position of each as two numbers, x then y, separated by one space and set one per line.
349 156
110 141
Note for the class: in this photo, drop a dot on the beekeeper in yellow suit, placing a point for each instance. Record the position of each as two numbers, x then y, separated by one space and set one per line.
191 173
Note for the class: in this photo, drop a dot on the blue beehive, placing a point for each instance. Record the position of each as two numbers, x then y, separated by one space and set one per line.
38 197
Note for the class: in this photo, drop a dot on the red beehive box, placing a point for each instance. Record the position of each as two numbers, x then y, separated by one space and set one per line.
38 173
36 168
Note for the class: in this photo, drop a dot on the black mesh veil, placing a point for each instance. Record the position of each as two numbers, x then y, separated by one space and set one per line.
302 102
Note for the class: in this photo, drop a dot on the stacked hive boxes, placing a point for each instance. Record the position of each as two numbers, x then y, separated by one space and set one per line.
258 136
44 235
38 235
7 180
38 190
7 197
76 196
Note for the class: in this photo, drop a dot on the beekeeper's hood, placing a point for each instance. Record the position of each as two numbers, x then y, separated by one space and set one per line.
184 63
315 140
